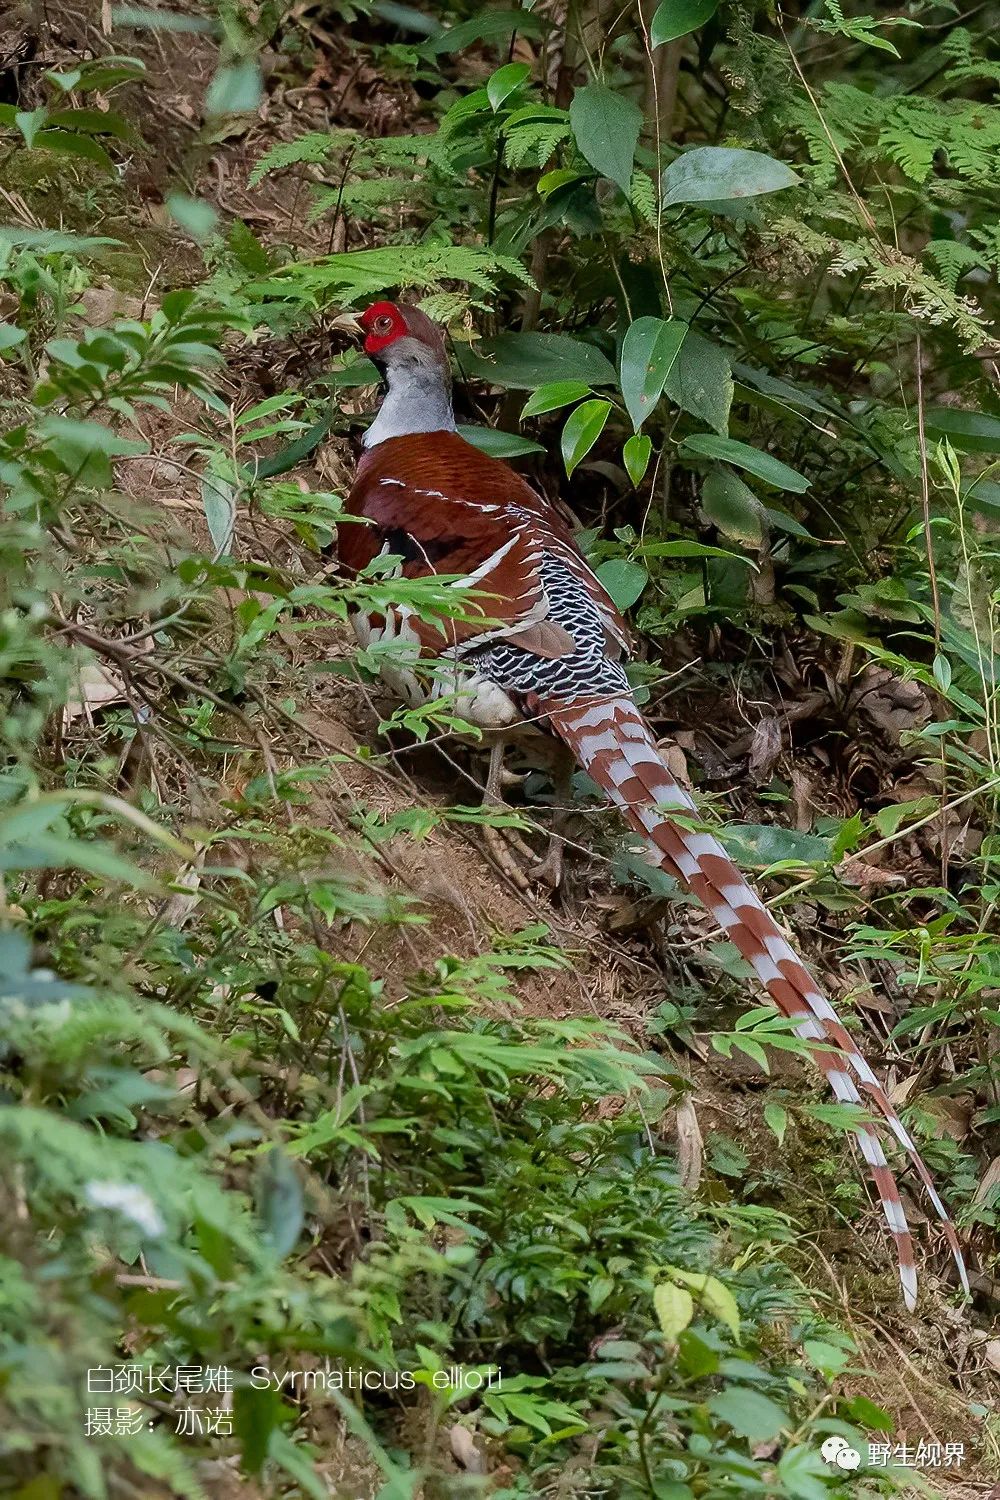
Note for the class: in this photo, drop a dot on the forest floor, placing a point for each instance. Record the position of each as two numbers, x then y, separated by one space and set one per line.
630 953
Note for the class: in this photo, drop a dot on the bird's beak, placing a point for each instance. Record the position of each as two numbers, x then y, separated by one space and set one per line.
348 322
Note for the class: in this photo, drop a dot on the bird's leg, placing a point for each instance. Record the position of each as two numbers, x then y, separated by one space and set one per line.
499 840
549 869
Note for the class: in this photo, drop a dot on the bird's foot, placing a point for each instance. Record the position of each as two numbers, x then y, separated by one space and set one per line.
549 870
514 857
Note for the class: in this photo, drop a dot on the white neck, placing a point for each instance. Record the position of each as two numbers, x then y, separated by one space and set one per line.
418 400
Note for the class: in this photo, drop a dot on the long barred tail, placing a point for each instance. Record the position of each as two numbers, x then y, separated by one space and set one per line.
613 743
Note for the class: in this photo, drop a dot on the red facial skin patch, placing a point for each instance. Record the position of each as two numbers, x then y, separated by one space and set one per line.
383 325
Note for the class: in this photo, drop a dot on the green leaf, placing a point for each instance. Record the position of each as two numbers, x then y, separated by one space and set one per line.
505 81
636 455
649 350
50 851
493 26
218 500
686 549
29 122
970 431
750 1414
764 844
280 1204
716 1297
707 173
860 1409
499 444
701 381
193 214
525 361
65 143
803 1474
763 465
676 18
256 1414
235 90
829 1359
52 241
551 397
624 580
606 128
674 1309
582 429
87 437
735 509
10 336
776 1119
91 122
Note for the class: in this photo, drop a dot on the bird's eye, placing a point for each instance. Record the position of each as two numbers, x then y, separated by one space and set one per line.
383 324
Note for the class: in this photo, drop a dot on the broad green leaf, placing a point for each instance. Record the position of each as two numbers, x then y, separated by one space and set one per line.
676 18
52 241
765 844
828 1358
782 521
505 81
749 1413
193 214
713 1294
763 465
776 1119
490 25
499 444
554 395
560 178
624 580
525 361
860 1409
686 549
701 381
721 1303
66 143
649 350
733 507
235 90
218 499
88 437
707 173
91 122
582 429
10 336
636 455
280 1204
606 128
970 431
29 122
674 1309
803 1474
51 851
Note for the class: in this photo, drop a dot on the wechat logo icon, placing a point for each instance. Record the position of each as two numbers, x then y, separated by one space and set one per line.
838 1451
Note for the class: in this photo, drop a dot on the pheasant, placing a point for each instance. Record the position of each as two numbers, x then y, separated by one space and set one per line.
545 653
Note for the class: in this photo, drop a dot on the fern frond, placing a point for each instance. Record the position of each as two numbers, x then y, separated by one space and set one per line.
953 260
642 196
315 147
366 273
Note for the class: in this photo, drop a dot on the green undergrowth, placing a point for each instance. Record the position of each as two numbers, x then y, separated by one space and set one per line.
323 1191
